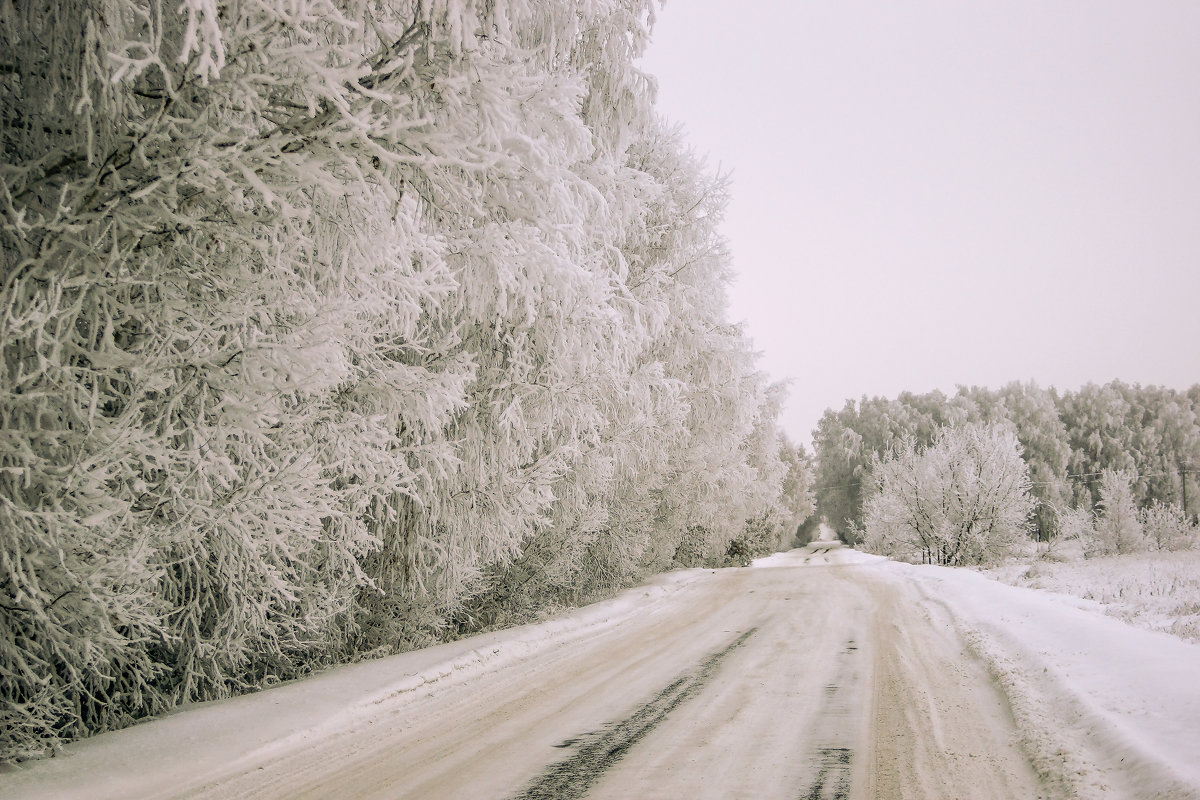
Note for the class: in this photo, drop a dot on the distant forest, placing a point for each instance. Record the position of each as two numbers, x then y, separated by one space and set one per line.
331 329
1071 441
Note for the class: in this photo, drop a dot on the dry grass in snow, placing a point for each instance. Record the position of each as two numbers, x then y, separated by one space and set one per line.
1154 590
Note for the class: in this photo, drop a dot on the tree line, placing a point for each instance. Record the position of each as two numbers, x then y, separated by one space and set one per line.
1111 464
333 328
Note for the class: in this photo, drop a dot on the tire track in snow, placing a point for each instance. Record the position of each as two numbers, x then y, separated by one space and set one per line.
835 732
599 750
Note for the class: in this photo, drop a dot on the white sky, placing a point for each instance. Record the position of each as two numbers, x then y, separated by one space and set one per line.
933 193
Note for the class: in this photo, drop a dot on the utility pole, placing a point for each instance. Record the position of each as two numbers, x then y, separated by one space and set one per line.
1184 463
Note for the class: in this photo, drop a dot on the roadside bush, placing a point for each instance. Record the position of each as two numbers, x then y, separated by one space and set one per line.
1166 527
963 500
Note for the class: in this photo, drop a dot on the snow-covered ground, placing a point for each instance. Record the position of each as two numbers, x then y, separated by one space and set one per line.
1158 591
822 672
1106 709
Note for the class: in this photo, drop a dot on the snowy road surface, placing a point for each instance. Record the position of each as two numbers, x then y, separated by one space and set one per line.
821 673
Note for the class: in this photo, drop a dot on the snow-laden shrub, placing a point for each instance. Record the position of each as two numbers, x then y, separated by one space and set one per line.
692 548
962 500
1075 527
760 537
1076 523
1166 527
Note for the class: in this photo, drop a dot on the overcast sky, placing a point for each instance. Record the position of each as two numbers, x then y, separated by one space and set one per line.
927 194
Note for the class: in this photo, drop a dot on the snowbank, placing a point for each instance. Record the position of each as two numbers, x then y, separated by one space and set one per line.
1106 709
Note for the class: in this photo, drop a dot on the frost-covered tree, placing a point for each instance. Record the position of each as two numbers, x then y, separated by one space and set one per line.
846 442
782 480
964 499
677 431
797 496
1178 434
328 324
1067 439
1043 436
212 273
1150 432
842 467
1118 527
1100 438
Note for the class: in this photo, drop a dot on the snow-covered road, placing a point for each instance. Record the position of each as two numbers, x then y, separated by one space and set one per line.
820 673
